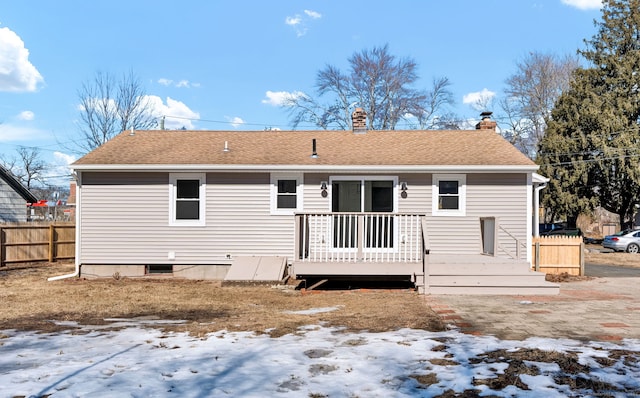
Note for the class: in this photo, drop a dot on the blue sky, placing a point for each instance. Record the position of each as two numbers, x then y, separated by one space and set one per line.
224 64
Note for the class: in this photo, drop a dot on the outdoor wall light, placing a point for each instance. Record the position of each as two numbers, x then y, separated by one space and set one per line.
403 188
323 189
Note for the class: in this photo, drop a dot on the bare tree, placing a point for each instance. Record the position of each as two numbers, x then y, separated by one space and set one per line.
28 167
109 106
438 98
377 82
531 93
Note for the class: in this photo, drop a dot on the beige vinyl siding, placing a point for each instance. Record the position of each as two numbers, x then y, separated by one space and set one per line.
125 216
418 198
313 200
488 195
125 220
503 196
239 217
121 216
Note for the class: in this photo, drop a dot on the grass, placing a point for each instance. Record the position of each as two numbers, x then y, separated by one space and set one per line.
33 303
612 258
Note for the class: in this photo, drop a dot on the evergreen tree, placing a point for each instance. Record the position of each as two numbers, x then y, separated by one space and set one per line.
591 149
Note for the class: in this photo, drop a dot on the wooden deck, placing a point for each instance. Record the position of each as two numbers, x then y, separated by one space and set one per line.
442 274
395 246
357 269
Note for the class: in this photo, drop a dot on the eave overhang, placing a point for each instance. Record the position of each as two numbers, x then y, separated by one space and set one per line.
307 168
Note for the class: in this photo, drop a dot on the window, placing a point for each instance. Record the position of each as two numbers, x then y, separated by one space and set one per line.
287 198
187 199
286 193
449 194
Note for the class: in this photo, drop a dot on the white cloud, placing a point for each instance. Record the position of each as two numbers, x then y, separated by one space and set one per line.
16 72
16 133
299 22
58 173
479 100
293 21
584 4
64 158
313 14
281 98
26 115
235 121
98 104
177 114
179 84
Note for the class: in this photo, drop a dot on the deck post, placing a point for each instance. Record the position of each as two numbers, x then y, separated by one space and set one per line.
296 239
360 240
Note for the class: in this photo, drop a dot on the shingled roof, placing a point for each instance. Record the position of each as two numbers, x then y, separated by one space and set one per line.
17 186
261 149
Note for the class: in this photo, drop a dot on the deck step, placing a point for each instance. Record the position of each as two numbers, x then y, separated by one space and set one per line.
531 279
549 289
489 268
485 276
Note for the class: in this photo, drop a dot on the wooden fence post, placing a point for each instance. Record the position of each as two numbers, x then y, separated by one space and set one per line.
582 258
537 265
52 231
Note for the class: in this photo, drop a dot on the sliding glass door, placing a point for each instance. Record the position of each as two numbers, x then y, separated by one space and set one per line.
363 195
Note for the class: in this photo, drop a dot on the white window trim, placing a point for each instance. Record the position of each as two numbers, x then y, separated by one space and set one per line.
173 178
462 192
274 192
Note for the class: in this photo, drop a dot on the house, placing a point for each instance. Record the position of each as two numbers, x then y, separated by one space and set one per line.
14 198
444 209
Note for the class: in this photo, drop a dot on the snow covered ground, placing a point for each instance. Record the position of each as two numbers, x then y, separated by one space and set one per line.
140 361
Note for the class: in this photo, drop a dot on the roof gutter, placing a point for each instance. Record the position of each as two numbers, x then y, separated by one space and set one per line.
540 182
318 168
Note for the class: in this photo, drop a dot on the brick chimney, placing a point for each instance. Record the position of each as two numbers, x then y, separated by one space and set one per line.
359 120
486 123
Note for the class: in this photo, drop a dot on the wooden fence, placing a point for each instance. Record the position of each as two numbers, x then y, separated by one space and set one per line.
23 243
558 254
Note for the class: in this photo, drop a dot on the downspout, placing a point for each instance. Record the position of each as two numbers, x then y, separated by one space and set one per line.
536 204
77 254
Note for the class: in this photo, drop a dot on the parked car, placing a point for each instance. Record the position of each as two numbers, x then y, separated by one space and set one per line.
627 240
548 227
563 232
591 240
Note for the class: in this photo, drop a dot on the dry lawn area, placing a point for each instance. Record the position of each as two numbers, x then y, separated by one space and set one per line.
33 303
612 258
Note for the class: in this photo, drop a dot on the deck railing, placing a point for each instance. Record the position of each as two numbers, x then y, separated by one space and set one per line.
519 246
359 237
